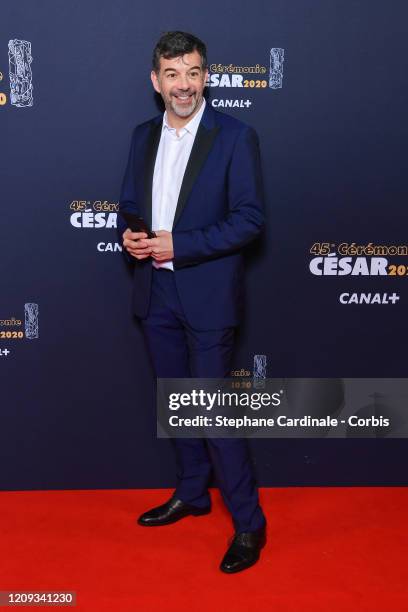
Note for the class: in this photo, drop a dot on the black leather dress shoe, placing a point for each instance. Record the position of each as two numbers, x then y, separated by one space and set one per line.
244 551
170 512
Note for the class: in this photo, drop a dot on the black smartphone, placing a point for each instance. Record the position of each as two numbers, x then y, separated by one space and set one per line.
137 224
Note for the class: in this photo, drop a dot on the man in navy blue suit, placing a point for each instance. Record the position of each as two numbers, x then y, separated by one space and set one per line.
194 175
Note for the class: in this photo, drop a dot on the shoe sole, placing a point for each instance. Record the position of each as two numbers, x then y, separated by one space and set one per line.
171 521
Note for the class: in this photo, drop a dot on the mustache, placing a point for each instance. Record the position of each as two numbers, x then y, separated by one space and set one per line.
182 93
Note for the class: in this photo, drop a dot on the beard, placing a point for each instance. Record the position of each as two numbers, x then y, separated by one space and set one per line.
183 109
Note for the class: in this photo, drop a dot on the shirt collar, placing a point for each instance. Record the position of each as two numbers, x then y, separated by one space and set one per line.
191 126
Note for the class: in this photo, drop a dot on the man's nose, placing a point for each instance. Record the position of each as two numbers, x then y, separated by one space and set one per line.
183 81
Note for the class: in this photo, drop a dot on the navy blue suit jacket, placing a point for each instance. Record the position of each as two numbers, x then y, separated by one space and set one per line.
220 209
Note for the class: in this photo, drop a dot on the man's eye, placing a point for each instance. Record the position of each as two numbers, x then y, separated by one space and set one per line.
171 75
194 75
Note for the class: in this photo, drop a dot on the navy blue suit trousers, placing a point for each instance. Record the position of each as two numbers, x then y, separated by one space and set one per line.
179 351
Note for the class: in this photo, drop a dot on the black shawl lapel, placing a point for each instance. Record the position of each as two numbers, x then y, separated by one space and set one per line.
201 148
151 153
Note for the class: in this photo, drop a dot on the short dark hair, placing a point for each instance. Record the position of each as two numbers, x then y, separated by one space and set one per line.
175 44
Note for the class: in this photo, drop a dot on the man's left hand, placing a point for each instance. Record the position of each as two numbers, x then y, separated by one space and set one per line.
162 246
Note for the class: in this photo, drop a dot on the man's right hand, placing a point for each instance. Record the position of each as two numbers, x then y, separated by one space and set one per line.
135 245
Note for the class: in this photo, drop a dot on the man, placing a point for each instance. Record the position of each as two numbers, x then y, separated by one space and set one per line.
194 175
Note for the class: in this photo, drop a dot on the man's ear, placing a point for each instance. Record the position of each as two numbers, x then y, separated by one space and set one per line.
155 81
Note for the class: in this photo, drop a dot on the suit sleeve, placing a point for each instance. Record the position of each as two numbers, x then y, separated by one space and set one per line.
127 199
245 219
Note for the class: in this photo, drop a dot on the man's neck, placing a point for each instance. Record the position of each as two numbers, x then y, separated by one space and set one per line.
177 122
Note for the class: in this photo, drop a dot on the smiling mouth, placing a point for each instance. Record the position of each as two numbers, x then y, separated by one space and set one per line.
183 98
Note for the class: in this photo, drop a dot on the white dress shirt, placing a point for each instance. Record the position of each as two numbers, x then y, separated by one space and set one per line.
171 161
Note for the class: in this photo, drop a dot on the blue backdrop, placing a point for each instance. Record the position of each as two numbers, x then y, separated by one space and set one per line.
324 84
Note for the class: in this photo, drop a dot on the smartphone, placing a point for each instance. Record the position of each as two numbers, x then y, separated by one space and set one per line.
137 224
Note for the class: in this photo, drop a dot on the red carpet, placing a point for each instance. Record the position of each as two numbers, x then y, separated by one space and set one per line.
329 549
